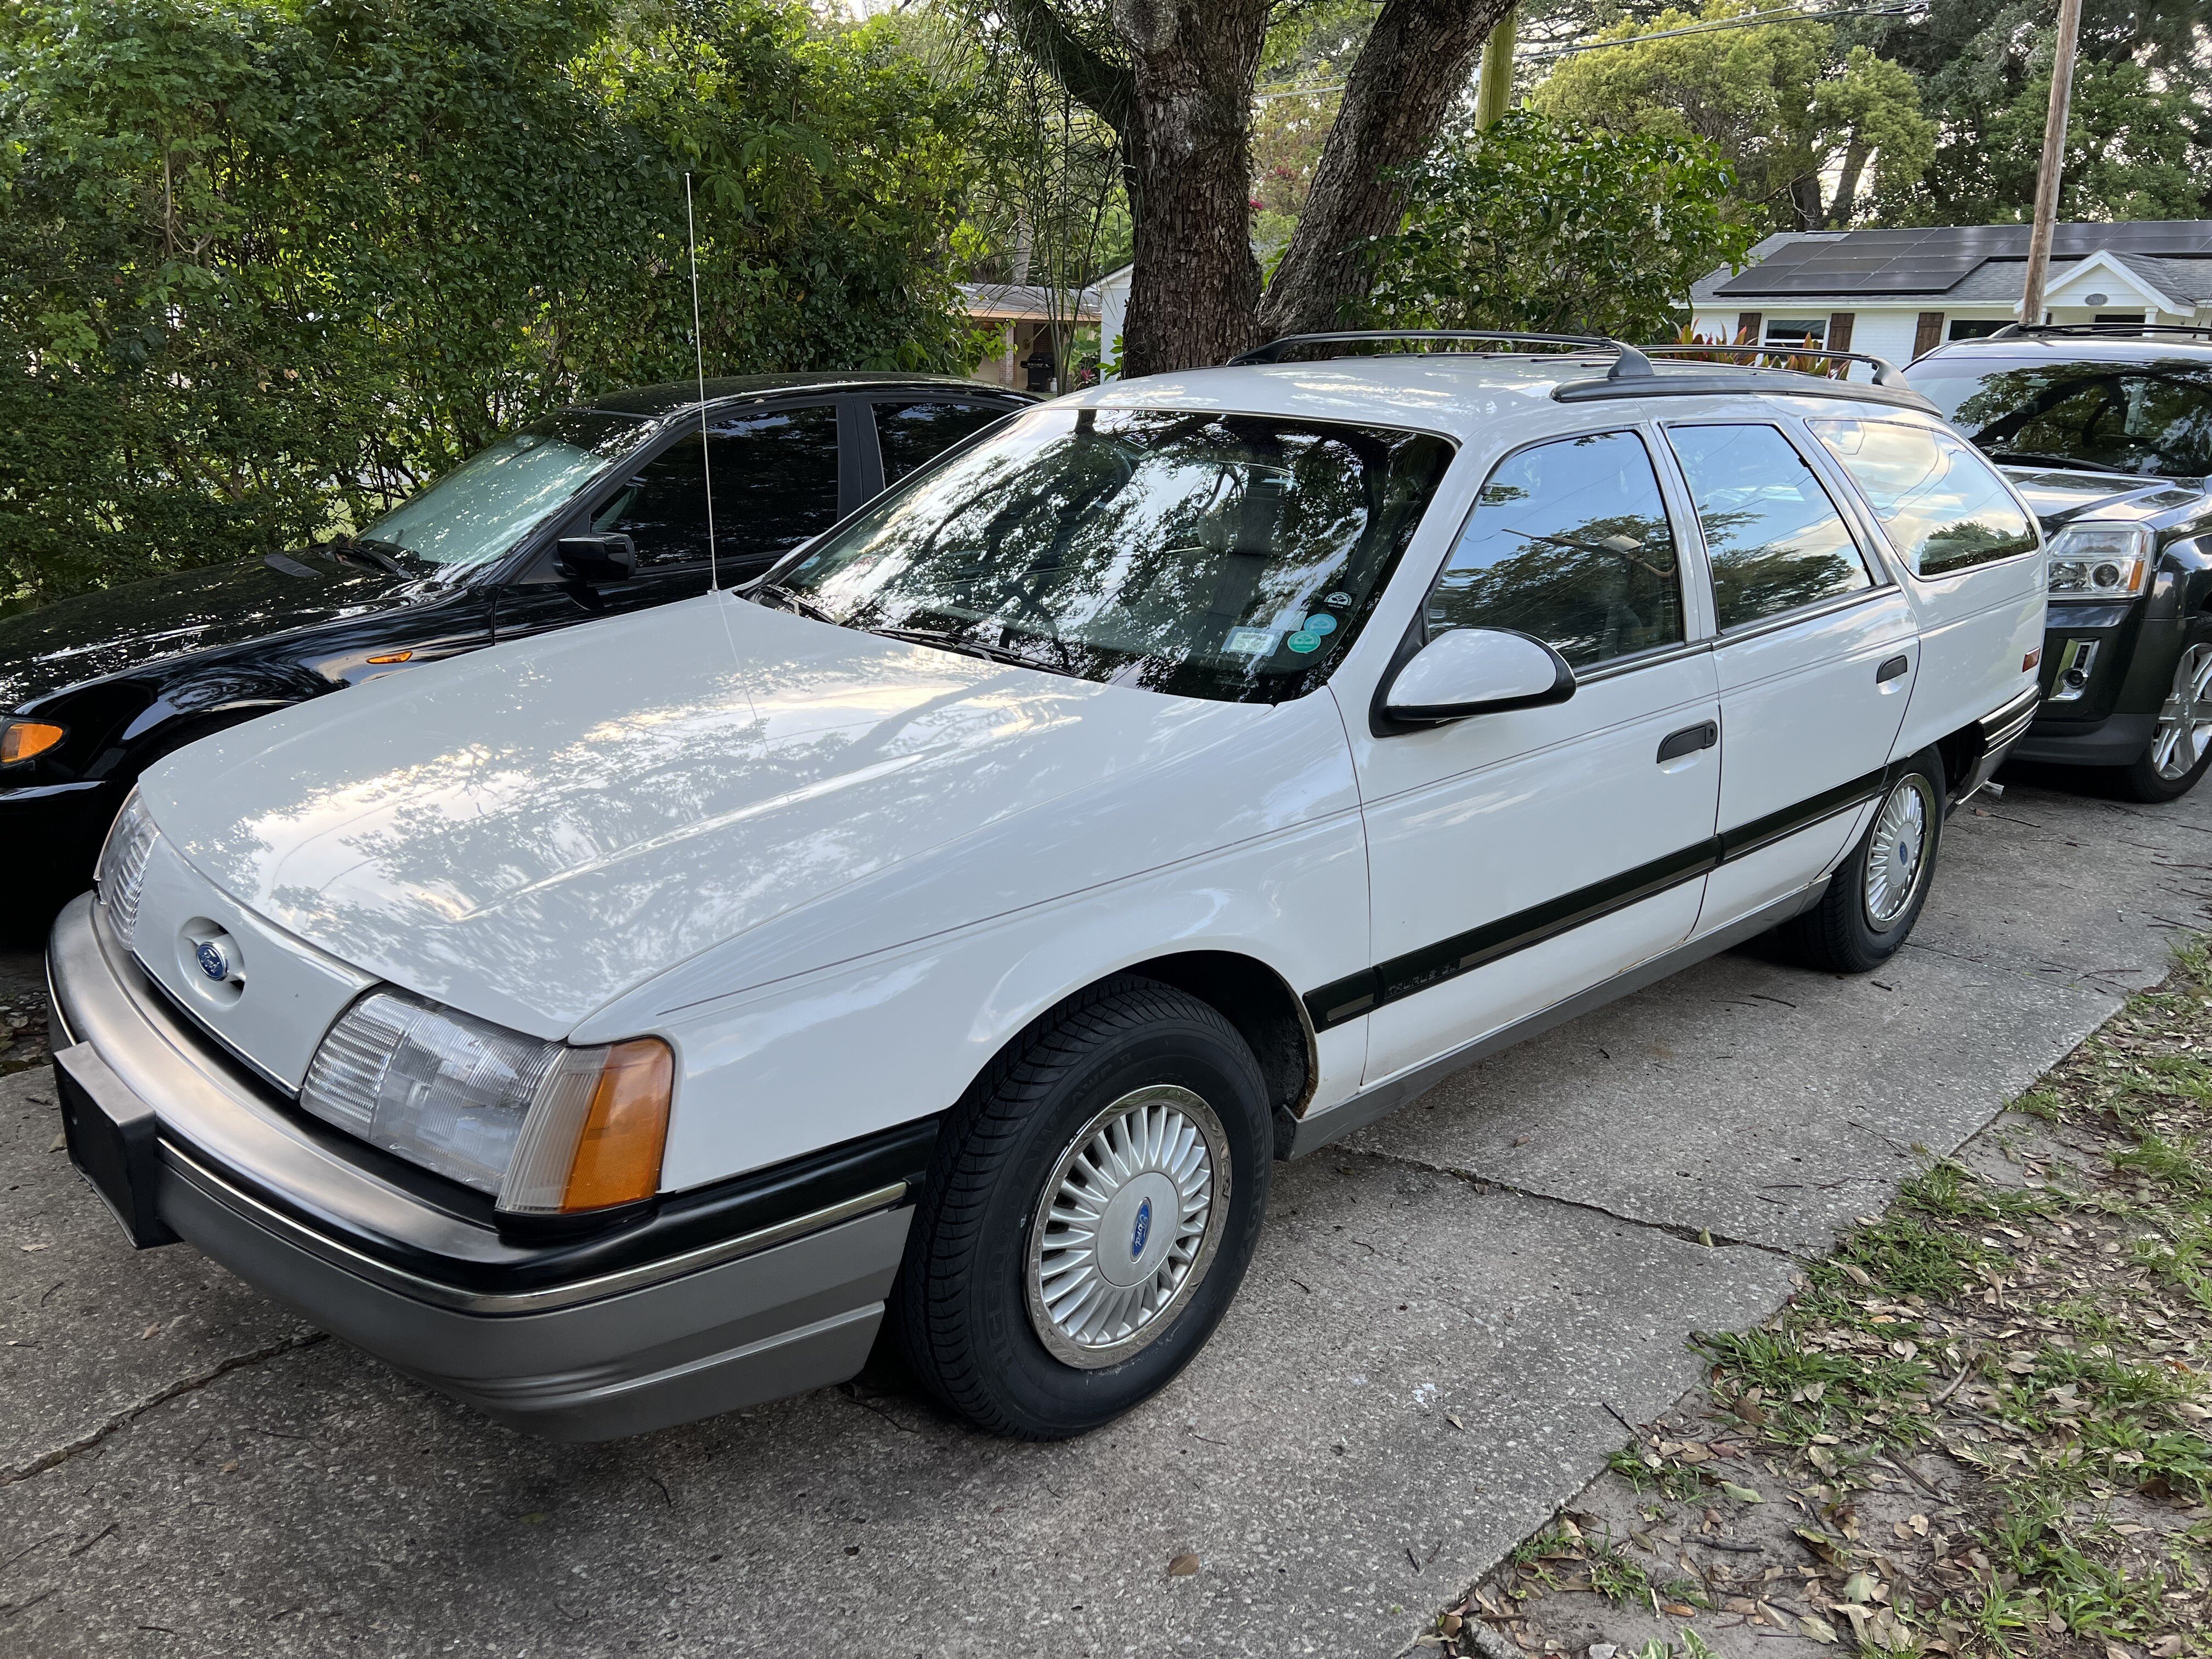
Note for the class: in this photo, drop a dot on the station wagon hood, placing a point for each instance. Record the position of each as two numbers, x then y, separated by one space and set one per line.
529 831
2059 496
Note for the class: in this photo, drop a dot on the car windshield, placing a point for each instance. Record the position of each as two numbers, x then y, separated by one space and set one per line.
2152 416
492 499
1229 556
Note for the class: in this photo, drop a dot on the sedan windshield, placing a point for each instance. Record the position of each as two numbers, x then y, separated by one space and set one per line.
2151 417
487 503
1229 556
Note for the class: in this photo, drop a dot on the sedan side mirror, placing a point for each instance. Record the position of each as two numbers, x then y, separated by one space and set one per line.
596 558
1476 671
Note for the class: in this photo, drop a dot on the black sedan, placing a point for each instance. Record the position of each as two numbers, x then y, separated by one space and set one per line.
593 511
2107 431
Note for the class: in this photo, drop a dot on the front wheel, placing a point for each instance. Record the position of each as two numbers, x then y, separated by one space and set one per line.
2181 745
1089 1215
1876 894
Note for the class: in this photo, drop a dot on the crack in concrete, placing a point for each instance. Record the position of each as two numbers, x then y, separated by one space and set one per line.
129 1414
1688 1235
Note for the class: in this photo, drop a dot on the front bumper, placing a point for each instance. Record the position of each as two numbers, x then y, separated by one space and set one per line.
182 1143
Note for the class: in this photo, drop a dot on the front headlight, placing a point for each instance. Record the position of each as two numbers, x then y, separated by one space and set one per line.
120 875
549 1128
2100 560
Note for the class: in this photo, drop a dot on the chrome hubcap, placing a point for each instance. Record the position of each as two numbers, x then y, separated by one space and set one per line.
2184 722
1128 1226
1897 858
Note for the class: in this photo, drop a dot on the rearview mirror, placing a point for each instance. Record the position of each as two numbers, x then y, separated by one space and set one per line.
596 558
1476 671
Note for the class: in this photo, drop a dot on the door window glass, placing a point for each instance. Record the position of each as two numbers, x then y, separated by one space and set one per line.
1568 542
1772 536
911 433
1943 507
775 486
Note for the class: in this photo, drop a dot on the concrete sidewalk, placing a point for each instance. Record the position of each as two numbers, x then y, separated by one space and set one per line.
1520 1251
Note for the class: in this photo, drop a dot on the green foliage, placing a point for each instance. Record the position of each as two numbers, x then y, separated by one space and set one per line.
1790 106
1533 223
266 265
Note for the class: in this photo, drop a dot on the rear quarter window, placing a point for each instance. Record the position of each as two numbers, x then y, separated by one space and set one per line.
1942 506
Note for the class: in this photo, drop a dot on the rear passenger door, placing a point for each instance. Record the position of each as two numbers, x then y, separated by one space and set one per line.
1518 856
1815 659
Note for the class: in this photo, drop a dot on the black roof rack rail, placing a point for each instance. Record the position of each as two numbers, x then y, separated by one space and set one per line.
1628 361
2028 330
1885 371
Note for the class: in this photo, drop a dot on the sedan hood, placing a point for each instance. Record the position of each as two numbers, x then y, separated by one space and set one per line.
530 830
2058 495
120 629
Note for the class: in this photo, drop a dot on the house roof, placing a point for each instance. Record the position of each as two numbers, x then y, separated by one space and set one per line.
1966 264
1014 302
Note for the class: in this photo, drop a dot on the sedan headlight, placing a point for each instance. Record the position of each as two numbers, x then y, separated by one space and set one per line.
549 1128
2100 560
120 875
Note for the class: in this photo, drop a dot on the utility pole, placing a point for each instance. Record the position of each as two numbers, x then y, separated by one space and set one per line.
2054 159
1495 90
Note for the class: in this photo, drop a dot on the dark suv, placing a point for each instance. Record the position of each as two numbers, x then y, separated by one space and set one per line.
594 511
2106 429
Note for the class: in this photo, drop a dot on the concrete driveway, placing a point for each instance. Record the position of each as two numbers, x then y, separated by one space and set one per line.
1448 1318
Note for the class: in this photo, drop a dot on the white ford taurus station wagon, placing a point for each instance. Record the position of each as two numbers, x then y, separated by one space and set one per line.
943 935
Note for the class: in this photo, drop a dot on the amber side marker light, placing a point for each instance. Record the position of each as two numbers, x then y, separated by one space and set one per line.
393 656
2031 659
618 1155
20 740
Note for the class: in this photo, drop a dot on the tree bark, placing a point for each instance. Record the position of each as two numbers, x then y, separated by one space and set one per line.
1416 61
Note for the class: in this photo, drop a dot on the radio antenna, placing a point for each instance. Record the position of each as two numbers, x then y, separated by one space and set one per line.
699 361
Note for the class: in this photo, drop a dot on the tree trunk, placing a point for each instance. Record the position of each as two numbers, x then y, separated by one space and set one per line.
1805 200
1194 293
1415 63
1846 200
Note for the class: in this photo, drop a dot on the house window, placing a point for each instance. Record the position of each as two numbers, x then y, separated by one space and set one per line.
1797 331
2119 316
1968 328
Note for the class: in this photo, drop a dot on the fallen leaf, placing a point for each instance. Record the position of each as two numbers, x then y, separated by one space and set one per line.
1742 1494
231 1468
155 1329
1454 1421
1183 1566
61 1144
1818 1628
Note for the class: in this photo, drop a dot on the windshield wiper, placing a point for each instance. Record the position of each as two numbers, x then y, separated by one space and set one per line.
970 649
778 597
371 553
2033 458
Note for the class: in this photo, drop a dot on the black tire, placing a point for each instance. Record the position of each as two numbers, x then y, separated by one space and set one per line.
2144 781
961 1310
1843 933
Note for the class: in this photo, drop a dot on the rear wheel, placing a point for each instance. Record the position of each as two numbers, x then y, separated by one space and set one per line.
2181 745
1089 1215
1876 894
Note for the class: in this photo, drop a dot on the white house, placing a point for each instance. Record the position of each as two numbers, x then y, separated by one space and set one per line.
1111 291
1898 294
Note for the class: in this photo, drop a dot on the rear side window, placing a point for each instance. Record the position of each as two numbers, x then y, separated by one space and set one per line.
1568 542
1773 537
912 433
1943 507
775 483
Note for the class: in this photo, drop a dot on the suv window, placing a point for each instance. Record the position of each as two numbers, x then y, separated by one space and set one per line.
776 485
1570 542
1943 507
1773 537
912 434
2153 415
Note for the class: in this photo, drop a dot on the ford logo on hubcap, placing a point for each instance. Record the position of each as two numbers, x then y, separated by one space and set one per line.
1143 1230
214 960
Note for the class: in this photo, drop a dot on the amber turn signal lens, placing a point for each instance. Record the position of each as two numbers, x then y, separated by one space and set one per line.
2031 659
618 1155
394 656
20 740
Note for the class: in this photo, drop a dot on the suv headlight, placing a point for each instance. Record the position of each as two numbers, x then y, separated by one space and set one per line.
120 875
549 1128
2100 560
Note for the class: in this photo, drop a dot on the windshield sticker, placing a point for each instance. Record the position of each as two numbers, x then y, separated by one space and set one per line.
1320 622
1303 642
1341 601
1250 642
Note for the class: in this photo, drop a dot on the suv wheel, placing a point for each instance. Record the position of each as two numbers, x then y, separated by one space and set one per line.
2181 746
1088 1214
1877 892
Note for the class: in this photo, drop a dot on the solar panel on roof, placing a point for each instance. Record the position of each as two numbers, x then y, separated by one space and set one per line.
1935 259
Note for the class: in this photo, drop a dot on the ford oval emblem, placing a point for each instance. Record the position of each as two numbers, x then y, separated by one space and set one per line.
1143 1230
214 960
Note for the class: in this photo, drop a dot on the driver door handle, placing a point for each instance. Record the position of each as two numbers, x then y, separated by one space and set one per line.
1689 740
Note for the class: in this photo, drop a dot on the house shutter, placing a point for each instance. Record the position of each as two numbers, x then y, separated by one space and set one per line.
1747 328
1839 330
1929 335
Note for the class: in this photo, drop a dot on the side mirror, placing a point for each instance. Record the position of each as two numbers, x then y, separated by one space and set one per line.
1475 671
596 558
